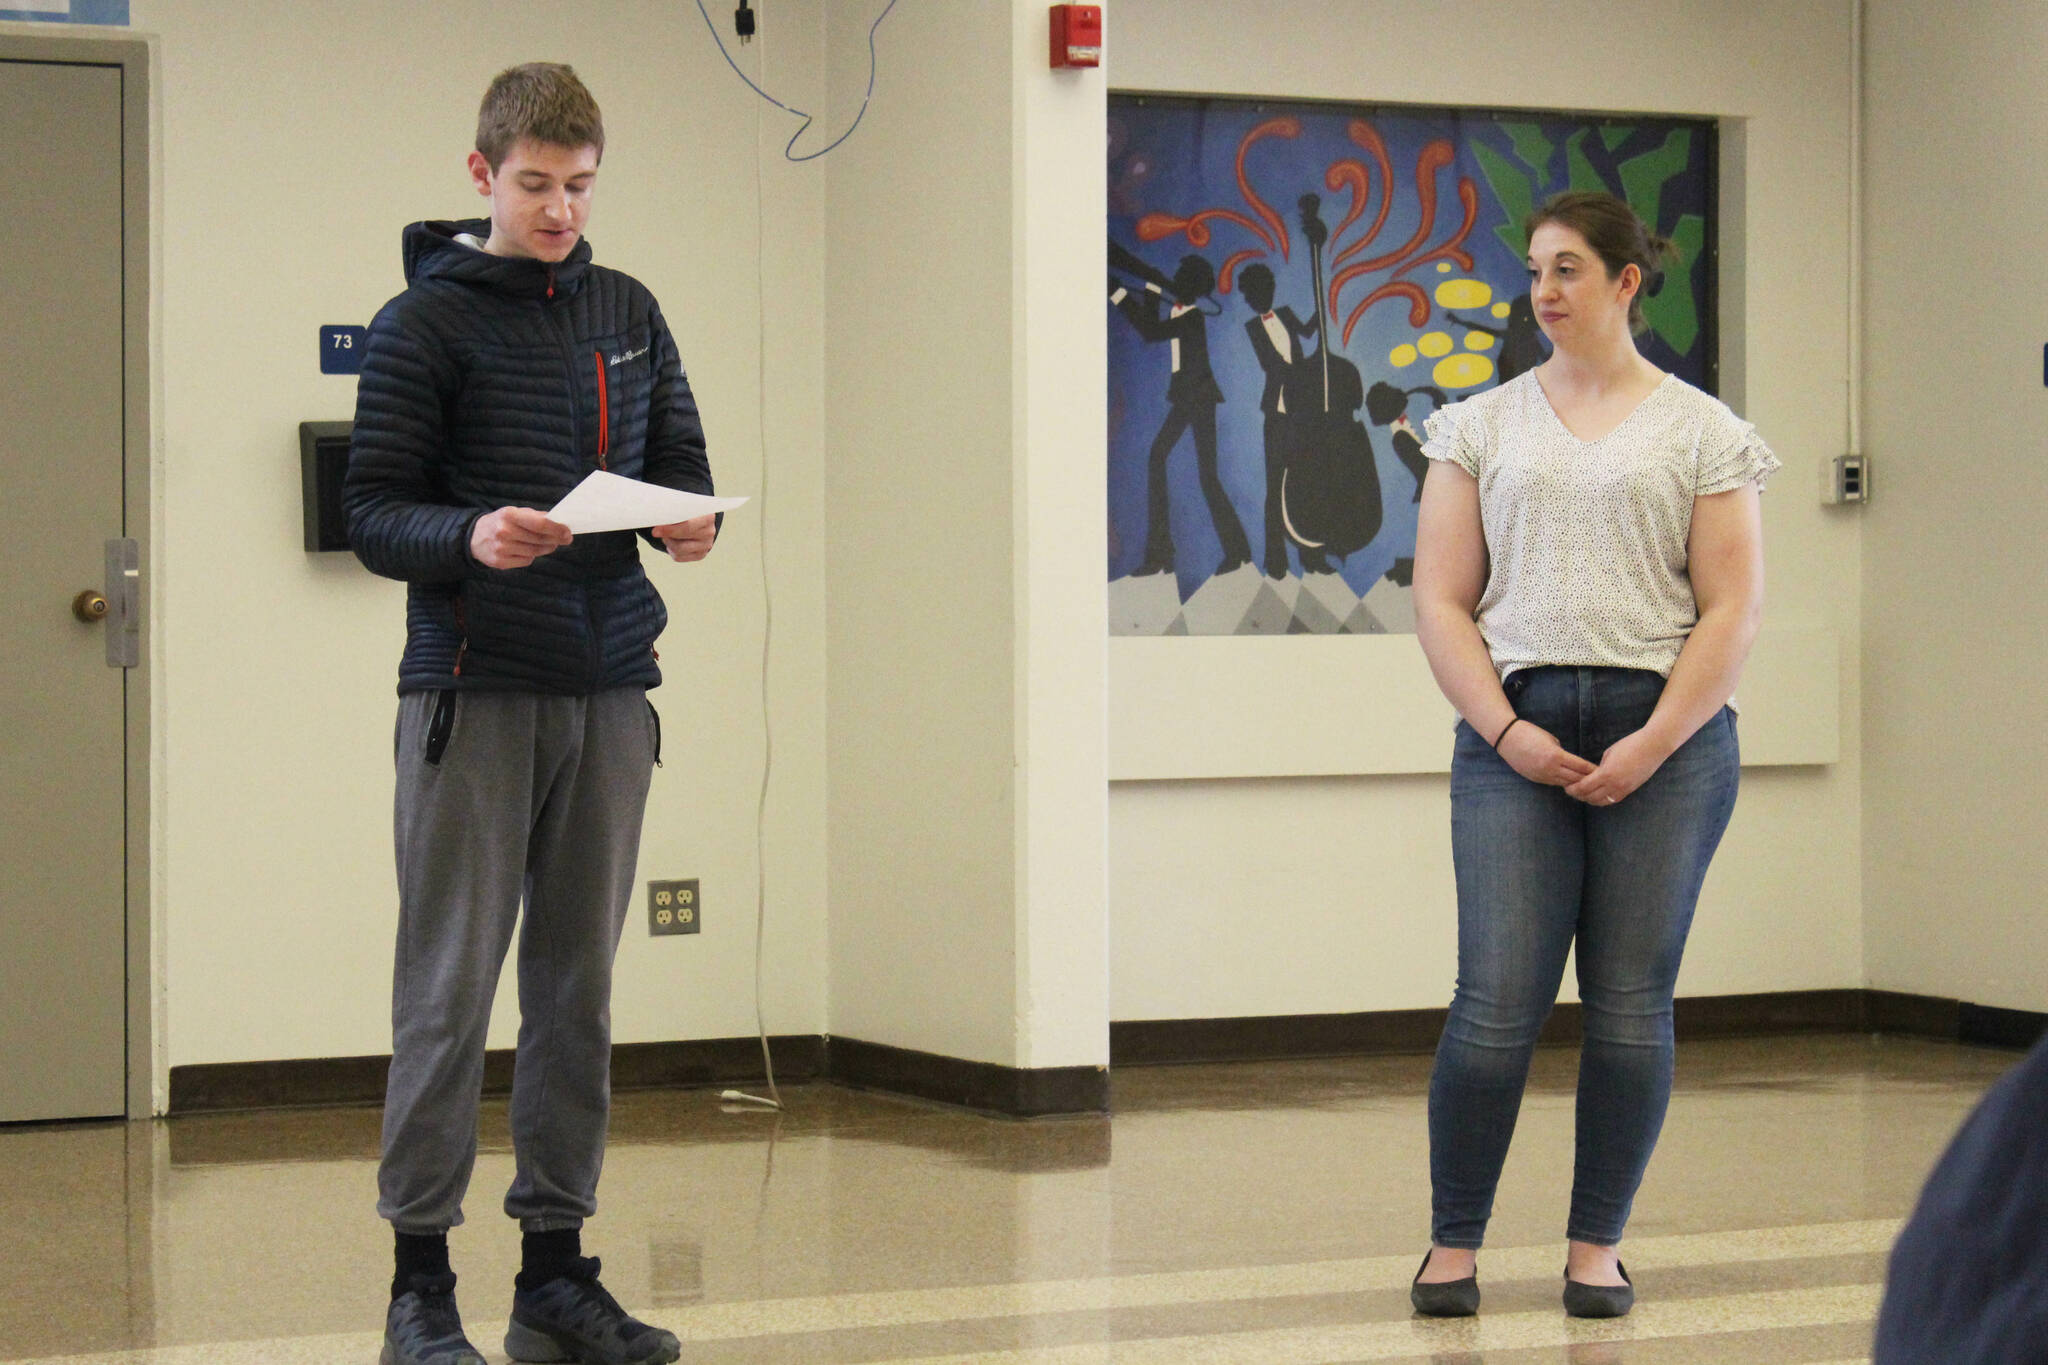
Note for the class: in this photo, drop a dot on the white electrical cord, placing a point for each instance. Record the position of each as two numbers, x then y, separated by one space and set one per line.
1855 386
773 1100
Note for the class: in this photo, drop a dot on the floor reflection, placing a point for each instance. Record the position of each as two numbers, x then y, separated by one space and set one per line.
230 1228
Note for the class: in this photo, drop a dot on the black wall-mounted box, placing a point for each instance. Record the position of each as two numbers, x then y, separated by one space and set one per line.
323 462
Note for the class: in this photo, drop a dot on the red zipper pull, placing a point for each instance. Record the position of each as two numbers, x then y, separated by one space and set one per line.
604 411
551 281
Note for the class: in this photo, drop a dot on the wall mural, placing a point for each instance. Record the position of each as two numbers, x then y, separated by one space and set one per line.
1294 288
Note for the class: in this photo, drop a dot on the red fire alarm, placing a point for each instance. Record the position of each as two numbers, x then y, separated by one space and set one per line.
1076 35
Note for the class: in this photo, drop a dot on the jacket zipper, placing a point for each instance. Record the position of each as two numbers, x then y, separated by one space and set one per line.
604 411
461 625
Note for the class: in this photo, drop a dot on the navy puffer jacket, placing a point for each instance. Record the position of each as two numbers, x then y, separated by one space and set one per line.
498 381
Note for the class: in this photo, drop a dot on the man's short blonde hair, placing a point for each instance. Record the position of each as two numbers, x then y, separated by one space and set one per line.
540 100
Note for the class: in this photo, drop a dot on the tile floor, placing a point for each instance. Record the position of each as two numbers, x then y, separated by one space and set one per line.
1268 1213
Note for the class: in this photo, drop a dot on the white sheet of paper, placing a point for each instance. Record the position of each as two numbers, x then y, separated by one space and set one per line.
605 501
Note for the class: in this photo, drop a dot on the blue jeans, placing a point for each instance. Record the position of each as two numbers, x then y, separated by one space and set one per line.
1537 870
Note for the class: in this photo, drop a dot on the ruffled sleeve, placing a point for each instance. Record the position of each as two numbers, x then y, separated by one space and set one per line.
1731 455
1451 435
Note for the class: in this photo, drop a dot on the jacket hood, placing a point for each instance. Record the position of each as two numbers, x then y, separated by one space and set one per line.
431 252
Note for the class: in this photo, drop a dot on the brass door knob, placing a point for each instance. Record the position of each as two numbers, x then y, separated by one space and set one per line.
90 606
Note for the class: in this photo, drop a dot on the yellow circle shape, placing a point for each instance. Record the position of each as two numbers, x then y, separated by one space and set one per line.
1478 341
1402 356
1462 371
1434 344
1500 310
1464 293
1443 267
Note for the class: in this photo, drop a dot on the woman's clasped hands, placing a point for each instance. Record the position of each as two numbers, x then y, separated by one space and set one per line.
1535 753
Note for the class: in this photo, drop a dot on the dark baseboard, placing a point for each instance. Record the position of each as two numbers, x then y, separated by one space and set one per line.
1994 1027
1015 1092
717 1061
1034 1093
1154 1042
1915 1016
1927 1016
1771 1012
360 1080
217 1086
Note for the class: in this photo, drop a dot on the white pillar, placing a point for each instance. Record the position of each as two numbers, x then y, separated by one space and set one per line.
966 626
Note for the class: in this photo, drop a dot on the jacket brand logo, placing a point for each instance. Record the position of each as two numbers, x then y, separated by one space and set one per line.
626 356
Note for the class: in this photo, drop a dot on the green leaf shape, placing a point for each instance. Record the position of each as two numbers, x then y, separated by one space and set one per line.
1643 177
1584 177
1531 146
1513 190
1671 312
1614 134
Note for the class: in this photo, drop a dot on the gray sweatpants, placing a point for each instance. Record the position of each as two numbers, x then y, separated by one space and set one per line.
504 797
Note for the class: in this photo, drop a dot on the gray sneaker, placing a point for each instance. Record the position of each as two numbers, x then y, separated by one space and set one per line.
423 1326
572 1318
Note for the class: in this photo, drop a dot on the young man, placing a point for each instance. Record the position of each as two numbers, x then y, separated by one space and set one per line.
508 370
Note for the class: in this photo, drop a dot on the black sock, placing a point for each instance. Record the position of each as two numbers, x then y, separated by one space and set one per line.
547 1255
418 1254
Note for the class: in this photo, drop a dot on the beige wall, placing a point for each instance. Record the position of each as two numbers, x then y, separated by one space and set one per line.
919 541
940 556
1334 894
294 143
965 621
1955 416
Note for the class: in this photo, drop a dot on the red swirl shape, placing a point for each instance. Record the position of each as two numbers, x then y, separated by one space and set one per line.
1285 126
1454 250
1348 175
1155 226
1229 271
1368 137
1418 304
1433 158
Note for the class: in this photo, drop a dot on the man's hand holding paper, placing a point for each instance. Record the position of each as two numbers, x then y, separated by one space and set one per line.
688 541
607 502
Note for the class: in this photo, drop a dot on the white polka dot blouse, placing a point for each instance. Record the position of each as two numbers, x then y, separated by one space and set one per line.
1586 540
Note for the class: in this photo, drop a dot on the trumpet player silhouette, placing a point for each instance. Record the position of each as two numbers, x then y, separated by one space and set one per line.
1192 395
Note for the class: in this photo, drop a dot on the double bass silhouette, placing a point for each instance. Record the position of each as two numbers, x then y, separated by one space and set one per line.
1330 488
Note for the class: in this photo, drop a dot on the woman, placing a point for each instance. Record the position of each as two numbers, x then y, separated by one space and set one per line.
1588 580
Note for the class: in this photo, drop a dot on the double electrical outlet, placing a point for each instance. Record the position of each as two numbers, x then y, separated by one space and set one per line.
674 908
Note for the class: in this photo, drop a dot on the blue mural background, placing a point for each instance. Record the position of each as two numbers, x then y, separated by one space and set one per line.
1221 179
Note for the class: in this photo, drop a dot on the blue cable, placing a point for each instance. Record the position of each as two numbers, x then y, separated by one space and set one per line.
807 118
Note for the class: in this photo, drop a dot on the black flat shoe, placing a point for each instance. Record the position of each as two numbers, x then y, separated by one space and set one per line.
1448 1299
1599 1300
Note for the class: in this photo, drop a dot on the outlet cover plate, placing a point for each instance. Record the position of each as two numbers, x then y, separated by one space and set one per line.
674 907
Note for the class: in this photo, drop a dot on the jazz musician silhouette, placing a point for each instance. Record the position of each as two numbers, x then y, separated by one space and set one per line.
1191 395
1330 485
1276 340
1387 406
1522 347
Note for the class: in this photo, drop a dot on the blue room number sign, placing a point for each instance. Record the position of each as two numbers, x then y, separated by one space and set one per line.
341 349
